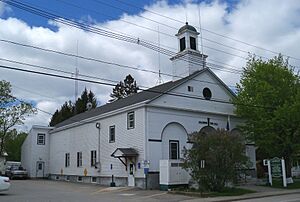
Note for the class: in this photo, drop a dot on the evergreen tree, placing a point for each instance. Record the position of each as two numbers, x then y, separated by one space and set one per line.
68 109
124 89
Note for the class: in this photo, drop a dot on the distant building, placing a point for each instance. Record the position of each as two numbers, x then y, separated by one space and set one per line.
122 138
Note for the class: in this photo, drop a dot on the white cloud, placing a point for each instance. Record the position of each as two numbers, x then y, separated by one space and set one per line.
270 24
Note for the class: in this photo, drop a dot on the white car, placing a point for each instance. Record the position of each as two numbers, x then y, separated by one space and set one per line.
4 183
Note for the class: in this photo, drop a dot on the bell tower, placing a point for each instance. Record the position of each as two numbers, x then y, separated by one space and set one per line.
188 59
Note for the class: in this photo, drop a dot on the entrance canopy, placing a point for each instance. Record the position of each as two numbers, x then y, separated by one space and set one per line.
125 155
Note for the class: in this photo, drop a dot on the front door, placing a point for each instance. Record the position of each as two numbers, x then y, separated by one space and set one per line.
40 166
131 182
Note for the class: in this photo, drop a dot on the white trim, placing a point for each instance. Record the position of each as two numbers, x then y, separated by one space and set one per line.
99 117
190 110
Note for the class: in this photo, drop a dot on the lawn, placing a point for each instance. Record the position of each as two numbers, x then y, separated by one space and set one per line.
226 192
278 184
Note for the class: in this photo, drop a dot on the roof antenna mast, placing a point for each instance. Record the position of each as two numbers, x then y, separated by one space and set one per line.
160 80
76 75
200 31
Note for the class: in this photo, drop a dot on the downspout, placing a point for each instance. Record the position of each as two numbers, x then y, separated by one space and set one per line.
99 141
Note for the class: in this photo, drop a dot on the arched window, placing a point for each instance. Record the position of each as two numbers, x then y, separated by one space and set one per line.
207 130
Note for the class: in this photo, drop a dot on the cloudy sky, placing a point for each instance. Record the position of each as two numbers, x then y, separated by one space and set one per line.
230 30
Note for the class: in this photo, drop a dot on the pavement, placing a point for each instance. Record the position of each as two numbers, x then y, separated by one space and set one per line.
262 192
56 191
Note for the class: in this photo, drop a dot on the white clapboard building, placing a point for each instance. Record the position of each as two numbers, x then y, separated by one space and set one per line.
119 141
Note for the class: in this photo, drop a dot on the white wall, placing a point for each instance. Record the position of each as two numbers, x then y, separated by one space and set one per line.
199 83
32 152
84 138
159 118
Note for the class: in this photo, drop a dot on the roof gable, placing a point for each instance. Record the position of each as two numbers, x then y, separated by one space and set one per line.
148 96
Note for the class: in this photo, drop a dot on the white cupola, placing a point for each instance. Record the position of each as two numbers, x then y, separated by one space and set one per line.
188 59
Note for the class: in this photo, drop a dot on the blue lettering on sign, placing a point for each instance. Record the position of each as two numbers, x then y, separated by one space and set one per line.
146 170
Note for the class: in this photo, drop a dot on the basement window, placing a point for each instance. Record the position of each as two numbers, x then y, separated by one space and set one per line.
190 88
94 179
79 179
67 178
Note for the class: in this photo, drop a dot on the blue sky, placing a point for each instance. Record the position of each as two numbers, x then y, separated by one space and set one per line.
99 10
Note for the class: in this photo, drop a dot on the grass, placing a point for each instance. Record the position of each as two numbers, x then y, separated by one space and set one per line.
226 192
278 184
231 192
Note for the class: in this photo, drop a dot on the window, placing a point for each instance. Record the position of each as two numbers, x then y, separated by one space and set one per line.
40 166
40 139
67 159
94 179
206 93
182 44
79 159
130 120
67 178
79 179
57 177
174 149
112 132
190 88
93 157
193 43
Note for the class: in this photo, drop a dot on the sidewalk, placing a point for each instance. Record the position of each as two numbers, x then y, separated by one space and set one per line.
261 192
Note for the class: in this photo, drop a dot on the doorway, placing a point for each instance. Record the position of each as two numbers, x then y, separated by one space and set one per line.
131 181
40 166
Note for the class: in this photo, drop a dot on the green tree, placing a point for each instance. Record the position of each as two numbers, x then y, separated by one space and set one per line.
224 157
12 112
68 109
13 145
124 89
86 97
268 99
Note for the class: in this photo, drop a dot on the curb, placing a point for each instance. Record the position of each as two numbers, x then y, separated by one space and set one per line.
237 198
261 196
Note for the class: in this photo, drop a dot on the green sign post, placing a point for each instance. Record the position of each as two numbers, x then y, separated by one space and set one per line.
276 168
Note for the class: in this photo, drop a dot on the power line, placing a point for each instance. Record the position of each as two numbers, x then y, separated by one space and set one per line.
84 58
102 32
184 95
166 34
111 34
209 31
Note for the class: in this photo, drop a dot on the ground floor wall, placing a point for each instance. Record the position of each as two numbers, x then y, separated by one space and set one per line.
107 181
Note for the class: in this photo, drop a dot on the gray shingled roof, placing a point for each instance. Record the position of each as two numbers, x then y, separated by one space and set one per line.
145 95
149 94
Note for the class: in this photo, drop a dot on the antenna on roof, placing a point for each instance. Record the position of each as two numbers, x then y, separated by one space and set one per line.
76 77
159 81
200 31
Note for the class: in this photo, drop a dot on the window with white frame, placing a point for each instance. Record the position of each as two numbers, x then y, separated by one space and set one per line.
130 120
41 139
174 149
67 160
79 159
93 157
112 134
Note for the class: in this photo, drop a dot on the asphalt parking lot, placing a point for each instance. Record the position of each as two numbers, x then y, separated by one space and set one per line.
56 191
